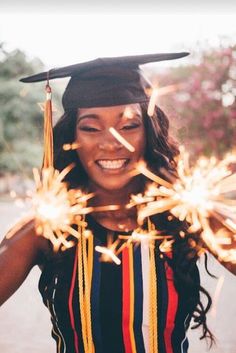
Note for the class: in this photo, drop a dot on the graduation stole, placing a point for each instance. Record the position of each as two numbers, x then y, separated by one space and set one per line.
139 306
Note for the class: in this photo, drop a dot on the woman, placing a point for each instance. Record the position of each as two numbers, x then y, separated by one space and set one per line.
118 315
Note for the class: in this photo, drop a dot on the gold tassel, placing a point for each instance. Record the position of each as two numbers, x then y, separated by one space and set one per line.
48 133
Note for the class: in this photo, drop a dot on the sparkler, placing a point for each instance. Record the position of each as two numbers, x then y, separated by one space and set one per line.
56 208
200 194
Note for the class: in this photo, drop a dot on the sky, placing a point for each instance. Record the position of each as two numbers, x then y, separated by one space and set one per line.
64 38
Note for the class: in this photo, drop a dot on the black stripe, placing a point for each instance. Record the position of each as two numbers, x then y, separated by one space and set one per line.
95 301
162 299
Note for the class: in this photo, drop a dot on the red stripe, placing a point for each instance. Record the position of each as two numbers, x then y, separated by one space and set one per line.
172 308
126 300
70 304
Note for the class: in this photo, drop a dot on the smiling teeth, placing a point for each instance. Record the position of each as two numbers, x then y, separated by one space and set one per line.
111 164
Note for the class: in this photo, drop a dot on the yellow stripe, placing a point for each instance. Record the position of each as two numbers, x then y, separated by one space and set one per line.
151 348
90 277
131 322
85 277
87 261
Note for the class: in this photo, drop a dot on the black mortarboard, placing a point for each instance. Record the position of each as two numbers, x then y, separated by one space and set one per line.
104 81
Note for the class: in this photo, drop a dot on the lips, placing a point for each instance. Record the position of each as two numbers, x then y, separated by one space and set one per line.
112 164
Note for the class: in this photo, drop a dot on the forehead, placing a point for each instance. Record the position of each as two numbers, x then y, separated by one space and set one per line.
128 111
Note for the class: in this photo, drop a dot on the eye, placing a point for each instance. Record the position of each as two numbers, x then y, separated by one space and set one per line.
88 128
130 126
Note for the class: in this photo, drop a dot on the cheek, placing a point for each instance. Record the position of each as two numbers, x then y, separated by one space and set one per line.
85 151
139 143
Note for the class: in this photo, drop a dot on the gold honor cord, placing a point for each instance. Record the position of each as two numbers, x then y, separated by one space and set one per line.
153 313
85 268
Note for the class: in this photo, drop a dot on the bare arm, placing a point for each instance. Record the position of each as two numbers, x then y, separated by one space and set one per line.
17 257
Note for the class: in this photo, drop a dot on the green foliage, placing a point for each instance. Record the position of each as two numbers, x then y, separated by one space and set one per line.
21 120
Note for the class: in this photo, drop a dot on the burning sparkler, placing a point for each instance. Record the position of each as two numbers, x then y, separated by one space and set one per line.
200 193
56 208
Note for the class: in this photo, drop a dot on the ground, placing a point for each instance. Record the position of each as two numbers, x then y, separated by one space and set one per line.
25 322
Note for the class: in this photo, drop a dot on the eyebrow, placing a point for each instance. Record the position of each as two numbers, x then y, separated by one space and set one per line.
96 116
85 116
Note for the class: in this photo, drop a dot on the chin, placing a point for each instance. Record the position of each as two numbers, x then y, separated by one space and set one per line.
128 185
113 187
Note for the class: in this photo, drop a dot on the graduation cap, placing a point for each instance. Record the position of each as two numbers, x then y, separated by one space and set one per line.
105 81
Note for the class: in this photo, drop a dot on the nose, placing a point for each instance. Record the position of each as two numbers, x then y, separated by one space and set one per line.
109 143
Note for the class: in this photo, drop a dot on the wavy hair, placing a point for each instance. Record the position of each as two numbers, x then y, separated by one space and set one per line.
160 154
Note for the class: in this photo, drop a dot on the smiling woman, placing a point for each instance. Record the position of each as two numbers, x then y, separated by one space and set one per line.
145 304
107 162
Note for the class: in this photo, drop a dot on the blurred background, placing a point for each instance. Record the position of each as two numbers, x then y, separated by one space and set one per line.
200 103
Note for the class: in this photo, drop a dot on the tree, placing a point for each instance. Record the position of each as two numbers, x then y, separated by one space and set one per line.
21 122
203 106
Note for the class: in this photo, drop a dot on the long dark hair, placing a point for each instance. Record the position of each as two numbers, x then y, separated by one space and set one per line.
160 154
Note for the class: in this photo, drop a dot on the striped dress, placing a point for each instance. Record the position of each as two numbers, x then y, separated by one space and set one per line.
119 302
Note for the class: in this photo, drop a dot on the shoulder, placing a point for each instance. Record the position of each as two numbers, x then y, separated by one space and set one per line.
23 241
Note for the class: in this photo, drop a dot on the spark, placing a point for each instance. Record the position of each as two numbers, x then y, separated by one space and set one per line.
141 167
105 208
156 92
200 194
121 139
71 146
140 235
128 113
152 102
215 299
56 208
166 245
108 252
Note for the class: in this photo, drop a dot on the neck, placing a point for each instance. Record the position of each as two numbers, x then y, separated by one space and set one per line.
114 197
